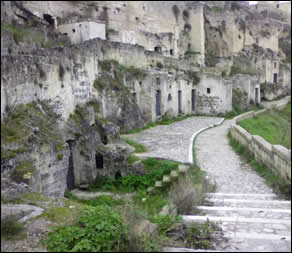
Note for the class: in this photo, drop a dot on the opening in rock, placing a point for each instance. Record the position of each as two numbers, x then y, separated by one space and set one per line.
118 175
50 19
70 175
99 161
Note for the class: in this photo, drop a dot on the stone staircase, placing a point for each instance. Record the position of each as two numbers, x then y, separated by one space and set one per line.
250 222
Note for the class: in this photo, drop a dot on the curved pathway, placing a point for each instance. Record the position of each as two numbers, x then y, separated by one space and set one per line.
251 216
172 141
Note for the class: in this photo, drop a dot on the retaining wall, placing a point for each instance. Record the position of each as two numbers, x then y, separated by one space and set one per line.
276 157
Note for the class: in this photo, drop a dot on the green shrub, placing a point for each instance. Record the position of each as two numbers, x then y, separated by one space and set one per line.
11 229
99 229
165 222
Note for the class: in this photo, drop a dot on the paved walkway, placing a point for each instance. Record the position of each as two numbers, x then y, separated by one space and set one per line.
251 216
173 141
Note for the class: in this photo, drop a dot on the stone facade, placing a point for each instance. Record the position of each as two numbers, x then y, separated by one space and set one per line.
80 32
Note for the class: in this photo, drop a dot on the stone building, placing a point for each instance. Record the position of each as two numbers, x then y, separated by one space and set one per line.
82 31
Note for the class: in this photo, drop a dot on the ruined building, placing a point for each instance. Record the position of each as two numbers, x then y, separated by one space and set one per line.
97 67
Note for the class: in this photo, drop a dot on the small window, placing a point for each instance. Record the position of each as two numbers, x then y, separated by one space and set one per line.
65 33
275 65
73 30
99 161
239 36
208 90
134 97
157 49
169 97
275 77
157 80
277 5
171 51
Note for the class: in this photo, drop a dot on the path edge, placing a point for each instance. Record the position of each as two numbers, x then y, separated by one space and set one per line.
192 140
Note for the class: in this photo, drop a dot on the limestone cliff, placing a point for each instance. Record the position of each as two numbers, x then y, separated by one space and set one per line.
74 73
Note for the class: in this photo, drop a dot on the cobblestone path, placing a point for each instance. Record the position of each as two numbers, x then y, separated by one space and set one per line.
250 215
173 141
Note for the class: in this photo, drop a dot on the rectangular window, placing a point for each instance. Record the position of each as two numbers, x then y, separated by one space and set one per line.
208 90
275 77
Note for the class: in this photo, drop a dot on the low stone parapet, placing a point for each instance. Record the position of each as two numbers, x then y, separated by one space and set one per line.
276 157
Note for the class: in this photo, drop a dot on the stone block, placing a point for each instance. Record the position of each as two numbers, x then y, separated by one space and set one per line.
174 174
166 179
158 184
183 168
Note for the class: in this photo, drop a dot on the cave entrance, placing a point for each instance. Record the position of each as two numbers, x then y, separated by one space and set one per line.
256 96
99 161
193 99
158 50
275 77
158 100
49 19
179 101
70 175
118 175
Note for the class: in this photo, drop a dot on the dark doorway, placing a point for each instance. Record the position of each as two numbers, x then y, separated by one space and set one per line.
158 101
179 101
70 175
118 175
256 95
158 50
193 99
134 97
50 19
275 77
99 161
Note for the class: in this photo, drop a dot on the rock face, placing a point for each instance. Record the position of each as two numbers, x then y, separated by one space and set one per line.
63 106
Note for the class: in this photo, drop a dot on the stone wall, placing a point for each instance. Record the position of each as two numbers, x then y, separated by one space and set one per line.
276 157
80 32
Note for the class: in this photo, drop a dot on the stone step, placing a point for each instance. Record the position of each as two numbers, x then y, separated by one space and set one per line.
245 212
274 204
219 195
257 243
189 219
173 249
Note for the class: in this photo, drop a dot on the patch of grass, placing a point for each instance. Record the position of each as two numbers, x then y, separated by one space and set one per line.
139 148
217 9
281 187
236 70
103 200
191 52
274 126
132 159
60 157
156 169
23 171
200 235
150 205
165 222
98 229
236 110
30 123
11 229
194 77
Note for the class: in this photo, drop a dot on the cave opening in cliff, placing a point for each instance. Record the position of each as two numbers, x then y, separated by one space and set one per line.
49 19
70 175
158 50
99 161
118 175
